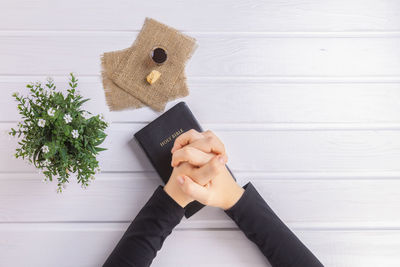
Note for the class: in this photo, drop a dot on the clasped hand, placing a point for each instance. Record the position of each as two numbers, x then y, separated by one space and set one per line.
200 173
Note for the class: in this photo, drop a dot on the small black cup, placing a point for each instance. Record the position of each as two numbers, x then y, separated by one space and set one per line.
158 55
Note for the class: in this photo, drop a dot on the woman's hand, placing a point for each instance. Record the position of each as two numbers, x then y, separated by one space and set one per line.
200 172
192 149
206 145
222 191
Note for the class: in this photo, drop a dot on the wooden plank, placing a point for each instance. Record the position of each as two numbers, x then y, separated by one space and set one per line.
252 150
301 202
207 15
218 55
90 245
233 101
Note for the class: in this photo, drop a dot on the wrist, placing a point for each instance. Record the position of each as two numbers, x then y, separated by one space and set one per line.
234 195
174 191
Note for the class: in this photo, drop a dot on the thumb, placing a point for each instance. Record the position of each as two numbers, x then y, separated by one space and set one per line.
193 189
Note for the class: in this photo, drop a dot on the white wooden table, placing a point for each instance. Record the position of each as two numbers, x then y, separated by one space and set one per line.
305 95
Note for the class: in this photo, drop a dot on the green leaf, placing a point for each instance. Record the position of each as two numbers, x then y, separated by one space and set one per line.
67 131
78 104
63 154
98 142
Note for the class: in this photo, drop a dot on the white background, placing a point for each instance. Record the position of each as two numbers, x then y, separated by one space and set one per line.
305 94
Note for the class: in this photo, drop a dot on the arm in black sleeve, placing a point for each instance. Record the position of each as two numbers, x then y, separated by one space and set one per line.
146 234
262 226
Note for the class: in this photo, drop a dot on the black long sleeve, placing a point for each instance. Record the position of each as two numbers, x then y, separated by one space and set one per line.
156 220
146 234
262 226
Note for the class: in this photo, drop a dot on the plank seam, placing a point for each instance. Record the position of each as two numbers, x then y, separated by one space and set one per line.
184 227
12 77
256 175
246 34
270 126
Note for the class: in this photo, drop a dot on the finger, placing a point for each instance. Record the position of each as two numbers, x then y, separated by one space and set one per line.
186 138
209 144
194 190
211 134
207 172
191 155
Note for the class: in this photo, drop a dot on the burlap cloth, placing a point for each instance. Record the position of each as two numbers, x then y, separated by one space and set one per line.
124 72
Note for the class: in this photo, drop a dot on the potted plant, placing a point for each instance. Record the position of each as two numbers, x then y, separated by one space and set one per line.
57 135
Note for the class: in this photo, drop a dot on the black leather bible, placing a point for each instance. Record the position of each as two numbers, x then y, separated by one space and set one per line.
157 139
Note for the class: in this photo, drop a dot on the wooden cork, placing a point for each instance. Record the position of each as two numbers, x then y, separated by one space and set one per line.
153 76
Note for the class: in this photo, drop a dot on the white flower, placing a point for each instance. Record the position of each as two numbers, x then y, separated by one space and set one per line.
97 170
85 114
51 112
92 177
67 118
75 133
46 163
41 123
45 149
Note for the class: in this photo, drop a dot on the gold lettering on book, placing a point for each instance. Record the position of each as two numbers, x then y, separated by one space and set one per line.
171 137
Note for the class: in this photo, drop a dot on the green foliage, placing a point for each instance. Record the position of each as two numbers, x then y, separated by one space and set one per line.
57 135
